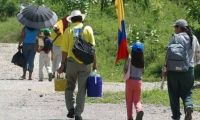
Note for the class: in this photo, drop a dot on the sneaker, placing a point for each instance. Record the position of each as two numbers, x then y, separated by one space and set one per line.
71 113
78 118
139 115
50 77
188 113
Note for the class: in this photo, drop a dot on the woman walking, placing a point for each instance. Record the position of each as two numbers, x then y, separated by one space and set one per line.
180 62
134 70
57 37
28 45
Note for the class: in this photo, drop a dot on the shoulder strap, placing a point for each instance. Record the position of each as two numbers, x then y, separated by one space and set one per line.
56 38
83 28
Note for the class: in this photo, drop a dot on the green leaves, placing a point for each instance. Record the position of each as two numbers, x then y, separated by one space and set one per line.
7 9
82 5
193 7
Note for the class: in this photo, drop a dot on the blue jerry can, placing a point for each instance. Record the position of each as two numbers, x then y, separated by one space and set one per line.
94 85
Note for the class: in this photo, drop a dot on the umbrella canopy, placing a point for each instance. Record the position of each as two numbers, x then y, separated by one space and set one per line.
37 17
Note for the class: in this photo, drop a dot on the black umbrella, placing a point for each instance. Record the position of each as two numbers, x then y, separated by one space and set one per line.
37 17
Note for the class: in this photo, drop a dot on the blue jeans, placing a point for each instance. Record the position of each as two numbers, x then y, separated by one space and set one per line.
29 51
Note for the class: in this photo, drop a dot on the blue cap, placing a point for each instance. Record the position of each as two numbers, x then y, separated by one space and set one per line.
138 46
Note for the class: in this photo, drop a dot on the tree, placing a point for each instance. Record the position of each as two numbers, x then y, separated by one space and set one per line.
193 7
7 9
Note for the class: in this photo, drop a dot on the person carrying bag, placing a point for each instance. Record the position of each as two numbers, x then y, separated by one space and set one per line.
82 49
74 51
181 59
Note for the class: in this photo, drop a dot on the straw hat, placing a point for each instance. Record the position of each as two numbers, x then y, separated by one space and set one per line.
75 13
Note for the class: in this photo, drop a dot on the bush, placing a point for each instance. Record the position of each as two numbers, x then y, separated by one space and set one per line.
11 9
154 69
7 9
154 29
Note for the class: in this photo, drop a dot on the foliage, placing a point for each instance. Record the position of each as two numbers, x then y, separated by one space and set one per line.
7 9
105 4
150 22
159 97
156 97
82 5
10 31
157 8
154 69
144 4
193 7
108 97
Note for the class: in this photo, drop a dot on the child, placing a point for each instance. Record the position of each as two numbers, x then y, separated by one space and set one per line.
45 56
134 69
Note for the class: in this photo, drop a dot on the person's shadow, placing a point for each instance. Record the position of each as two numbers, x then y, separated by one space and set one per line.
12 79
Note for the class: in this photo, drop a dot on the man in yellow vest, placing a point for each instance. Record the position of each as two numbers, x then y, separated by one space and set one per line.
76 70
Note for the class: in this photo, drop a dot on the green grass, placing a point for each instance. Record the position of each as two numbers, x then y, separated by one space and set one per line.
157 97
108 97
10 30
105 28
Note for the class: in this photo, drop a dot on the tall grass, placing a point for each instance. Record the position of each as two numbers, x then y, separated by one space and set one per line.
10 30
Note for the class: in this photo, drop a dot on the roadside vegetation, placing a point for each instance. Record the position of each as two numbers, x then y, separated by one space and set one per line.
146 20
155 97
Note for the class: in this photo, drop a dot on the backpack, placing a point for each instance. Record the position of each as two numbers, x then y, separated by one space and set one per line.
83 51
177 54
47 45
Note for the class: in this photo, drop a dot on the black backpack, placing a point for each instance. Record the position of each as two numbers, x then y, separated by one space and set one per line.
83 50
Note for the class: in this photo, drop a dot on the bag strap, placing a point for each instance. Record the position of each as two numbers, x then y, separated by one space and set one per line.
81 31
56 38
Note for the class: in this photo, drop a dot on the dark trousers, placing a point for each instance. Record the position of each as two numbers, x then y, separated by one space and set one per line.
29 51
180 86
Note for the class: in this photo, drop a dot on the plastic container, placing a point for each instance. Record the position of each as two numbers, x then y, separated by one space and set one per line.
60 84
94 85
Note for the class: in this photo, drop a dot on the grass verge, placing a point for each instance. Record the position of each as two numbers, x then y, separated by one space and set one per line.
10 30
157 97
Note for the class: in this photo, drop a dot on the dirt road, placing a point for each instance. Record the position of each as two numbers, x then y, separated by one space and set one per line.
32 100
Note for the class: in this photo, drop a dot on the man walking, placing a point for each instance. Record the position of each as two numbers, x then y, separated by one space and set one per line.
76 71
